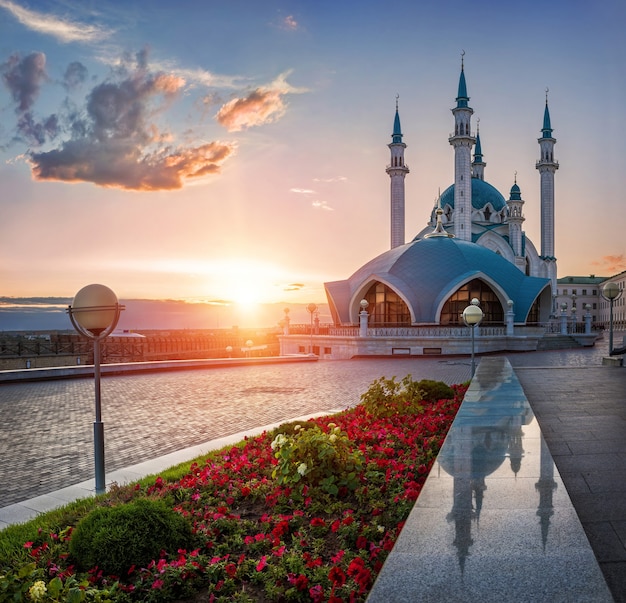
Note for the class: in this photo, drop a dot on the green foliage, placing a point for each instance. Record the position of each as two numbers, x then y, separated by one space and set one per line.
30 583
116 538
387 397
435 390
315 458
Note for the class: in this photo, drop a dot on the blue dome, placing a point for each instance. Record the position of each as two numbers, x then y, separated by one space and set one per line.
426 271
482 193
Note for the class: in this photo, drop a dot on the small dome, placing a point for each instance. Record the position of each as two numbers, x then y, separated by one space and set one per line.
482 193
516 193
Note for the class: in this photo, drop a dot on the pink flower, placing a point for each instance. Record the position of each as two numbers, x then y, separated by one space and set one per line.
157 584
261 564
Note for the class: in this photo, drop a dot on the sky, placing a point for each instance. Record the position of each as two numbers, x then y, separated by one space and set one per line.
235 152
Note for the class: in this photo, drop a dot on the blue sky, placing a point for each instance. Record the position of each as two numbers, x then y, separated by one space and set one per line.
237 150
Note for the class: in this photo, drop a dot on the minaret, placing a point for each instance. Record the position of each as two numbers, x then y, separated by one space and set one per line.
462 141
397 170
547 166
478 165
515 220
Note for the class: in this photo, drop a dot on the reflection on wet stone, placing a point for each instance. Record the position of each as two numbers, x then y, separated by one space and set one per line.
493 521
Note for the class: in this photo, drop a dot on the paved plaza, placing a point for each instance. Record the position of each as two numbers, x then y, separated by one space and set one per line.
46 436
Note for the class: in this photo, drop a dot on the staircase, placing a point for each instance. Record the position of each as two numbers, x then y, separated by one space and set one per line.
553 341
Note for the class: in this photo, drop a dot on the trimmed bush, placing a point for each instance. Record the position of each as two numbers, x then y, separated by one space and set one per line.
435 390
116 538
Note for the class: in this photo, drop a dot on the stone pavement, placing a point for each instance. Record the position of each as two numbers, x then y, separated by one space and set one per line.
46 440
46 428
582 414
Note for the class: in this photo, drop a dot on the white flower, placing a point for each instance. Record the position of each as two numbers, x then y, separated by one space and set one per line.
279 440
332 437
381 529
302 468
38 590
297 428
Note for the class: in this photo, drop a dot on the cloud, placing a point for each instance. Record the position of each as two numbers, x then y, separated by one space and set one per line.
23 76
64 30
289 22
262 106
302 191
322 205
335 179
115 141
612 263
75 75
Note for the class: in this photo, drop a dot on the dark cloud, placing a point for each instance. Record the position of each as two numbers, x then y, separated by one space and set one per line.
115 141
23 77
75 75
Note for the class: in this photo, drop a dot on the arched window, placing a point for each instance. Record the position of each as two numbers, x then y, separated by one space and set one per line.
386 307
452 313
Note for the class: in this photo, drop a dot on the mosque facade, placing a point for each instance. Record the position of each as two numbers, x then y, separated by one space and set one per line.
410 299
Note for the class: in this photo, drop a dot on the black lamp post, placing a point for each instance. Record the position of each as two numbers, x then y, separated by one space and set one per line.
312 308
472 315
94 313
611 292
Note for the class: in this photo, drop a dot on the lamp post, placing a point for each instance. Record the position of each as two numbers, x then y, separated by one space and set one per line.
472 315
94 313
611 292
312 308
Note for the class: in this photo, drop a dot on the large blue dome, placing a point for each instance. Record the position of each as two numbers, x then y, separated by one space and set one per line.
427 271
482 193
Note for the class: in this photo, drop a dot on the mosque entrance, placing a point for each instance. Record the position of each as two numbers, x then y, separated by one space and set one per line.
386 308
452 313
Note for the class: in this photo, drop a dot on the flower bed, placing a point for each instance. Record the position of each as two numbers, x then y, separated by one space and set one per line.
304 513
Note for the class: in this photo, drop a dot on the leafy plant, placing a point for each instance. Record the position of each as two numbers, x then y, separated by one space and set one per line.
435 390
317 458
114 539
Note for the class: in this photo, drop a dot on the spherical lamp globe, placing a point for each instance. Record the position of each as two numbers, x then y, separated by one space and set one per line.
95 309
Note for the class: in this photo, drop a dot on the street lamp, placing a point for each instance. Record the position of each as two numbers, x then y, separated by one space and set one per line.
472 315
94 313
611 292
312 308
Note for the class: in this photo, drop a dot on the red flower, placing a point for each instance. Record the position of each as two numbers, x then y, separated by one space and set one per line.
336 576
261 564
230 569
318 522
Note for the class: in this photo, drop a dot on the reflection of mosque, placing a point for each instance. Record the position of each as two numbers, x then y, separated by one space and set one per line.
477 446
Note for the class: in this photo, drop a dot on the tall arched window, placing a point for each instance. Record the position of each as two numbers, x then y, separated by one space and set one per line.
386 307
452 313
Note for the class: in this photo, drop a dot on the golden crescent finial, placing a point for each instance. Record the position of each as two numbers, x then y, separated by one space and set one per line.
462 55
547 90
515 176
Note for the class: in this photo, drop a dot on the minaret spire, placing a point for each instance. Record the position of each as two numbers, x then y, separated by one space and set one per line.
515 220
462 141
397 170
478 165
547 167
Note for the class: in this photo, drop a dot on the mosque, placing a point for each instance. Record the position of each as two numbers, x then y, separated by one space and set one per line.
409 300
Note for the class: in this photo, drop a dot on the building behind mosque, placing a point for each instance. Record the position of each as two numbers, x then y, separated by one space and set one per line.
410 299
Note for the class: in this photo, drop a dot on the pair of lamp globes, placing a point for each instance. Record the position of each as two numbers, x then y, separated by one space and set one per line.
94 313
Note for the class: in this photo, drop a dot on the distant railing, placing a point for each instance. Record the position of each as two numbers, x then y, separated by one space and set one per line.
404 331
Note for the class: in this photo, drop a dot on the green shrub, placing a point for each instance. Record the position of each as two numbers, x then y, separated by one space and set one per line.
116 538
387 397
316 458
435 390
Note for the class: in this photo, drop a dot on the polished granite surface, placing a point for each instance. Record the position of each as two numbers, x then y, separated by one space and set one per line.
493 521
